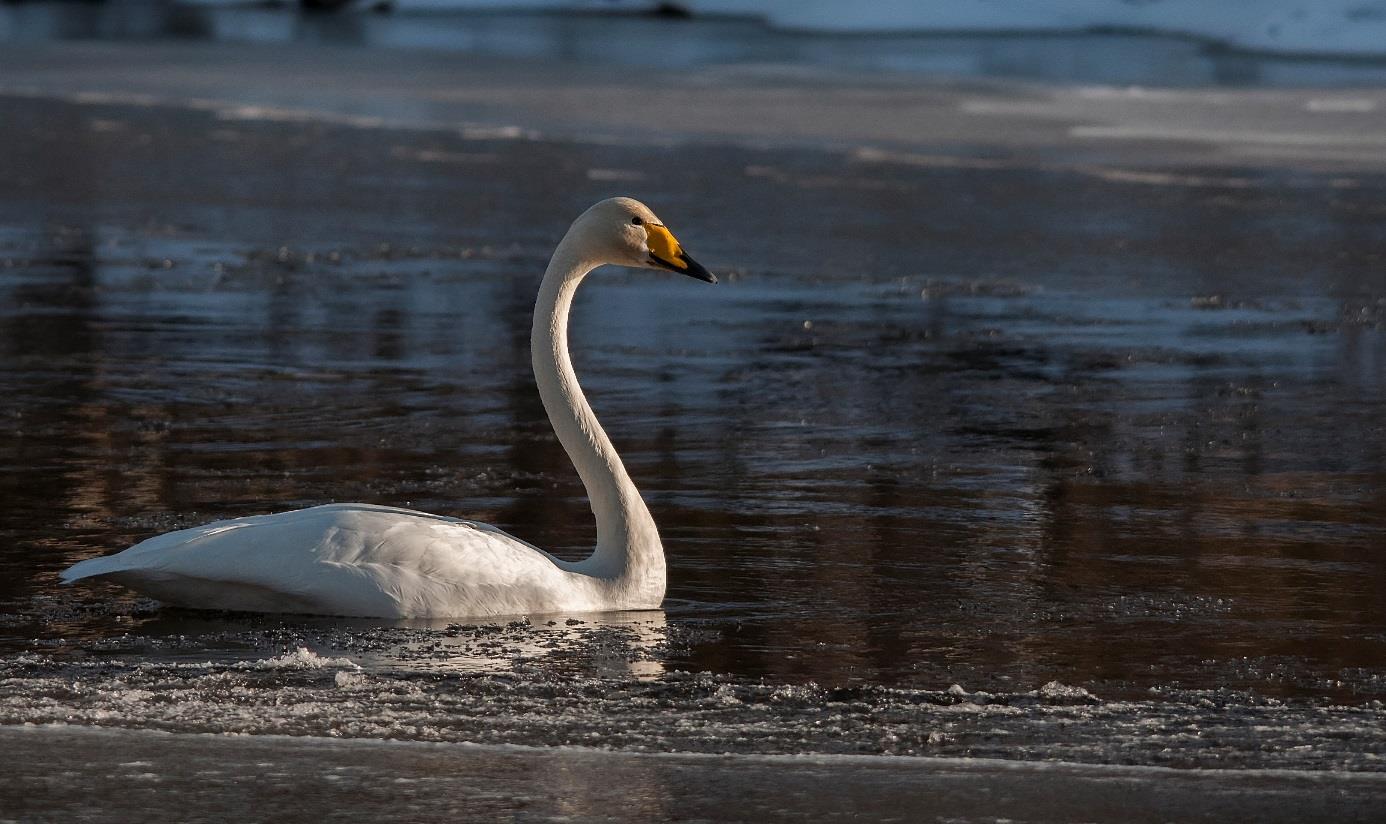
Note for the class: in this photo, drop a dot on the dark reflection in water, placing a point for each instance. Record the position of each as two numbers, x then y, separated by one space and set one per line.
957 428
638 40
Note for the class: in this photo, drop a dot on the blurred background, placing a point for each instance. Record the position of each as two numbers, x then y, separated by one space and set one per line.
1167 42
1049 361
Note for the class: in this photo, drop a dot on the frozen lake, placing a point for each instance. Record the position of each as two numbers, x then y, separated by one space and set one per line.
974 458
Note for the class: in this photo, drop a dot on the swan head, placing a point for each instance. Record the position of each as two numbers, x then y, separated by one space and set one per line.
624 231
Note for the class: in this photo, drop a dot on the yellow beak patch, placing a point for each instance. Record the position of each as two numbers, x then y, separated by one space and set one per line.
663 246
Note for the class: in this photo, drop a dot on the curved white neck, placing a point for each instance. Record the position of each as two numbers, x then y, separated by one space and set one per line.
629 555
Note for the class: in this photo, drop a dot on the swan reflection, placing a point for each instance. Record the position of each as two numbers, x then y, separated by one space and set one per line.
604 645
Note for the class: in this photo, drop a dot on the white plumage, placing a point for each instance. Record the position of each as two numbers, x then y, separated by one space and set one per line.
365 560
349 559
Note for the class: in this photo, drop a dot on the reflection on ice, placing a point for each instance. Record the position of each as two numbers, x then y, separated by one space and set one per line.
622 645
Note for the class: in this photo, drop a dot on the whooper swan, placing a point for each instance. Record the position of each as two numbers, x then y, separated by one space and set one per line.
364 560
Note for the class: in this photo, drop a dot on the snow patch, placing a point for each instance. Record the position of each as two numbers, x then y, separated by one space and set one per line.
348 680
1055 691
300 659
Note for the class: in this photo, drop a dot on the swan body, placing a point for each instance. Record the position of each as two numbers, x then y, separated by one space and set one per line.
377 561
353 559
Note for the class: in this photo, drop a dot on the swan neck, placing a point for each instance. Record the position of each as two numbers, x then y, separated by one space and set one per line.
628 552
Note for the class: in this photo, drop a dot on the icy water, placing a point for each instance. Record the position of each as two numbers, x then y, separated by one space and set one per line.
969 461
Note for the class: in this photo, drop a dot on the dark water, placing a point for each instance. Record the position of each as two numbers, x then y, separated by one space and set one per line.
639 41
1107 455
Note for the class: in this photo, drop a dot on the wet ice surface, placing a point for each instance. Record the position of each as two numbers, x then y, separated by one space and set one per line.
127 773
600 683
1106 455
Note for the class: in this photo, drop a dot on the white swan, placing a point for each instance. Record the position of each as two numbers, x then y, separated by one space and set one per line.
377 561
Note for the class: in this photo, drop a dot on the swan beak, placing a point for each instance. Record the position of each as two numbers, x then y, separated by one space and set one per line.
666 253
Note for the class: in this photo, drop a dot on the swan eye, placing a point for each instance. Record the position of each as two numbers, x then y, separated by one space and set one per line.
637 221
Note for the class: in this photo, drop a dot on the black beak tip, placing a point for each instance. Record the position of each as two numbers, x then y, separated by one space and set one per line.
690 267
696 270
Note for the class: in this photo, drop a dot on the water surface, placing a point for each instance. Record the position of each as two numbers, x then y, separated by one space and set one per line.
1008 462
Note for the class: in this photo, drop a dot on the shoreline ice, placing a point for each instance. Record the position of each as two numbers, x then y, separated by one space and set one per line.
125 771
905 763
1092 128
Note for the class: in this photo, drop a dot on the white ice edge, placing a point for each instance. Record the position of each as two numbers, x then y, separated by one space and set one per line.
231 111
963 764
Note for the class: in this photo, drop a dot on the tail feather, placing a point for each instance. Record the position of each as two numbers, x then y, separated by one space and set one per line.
90 568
